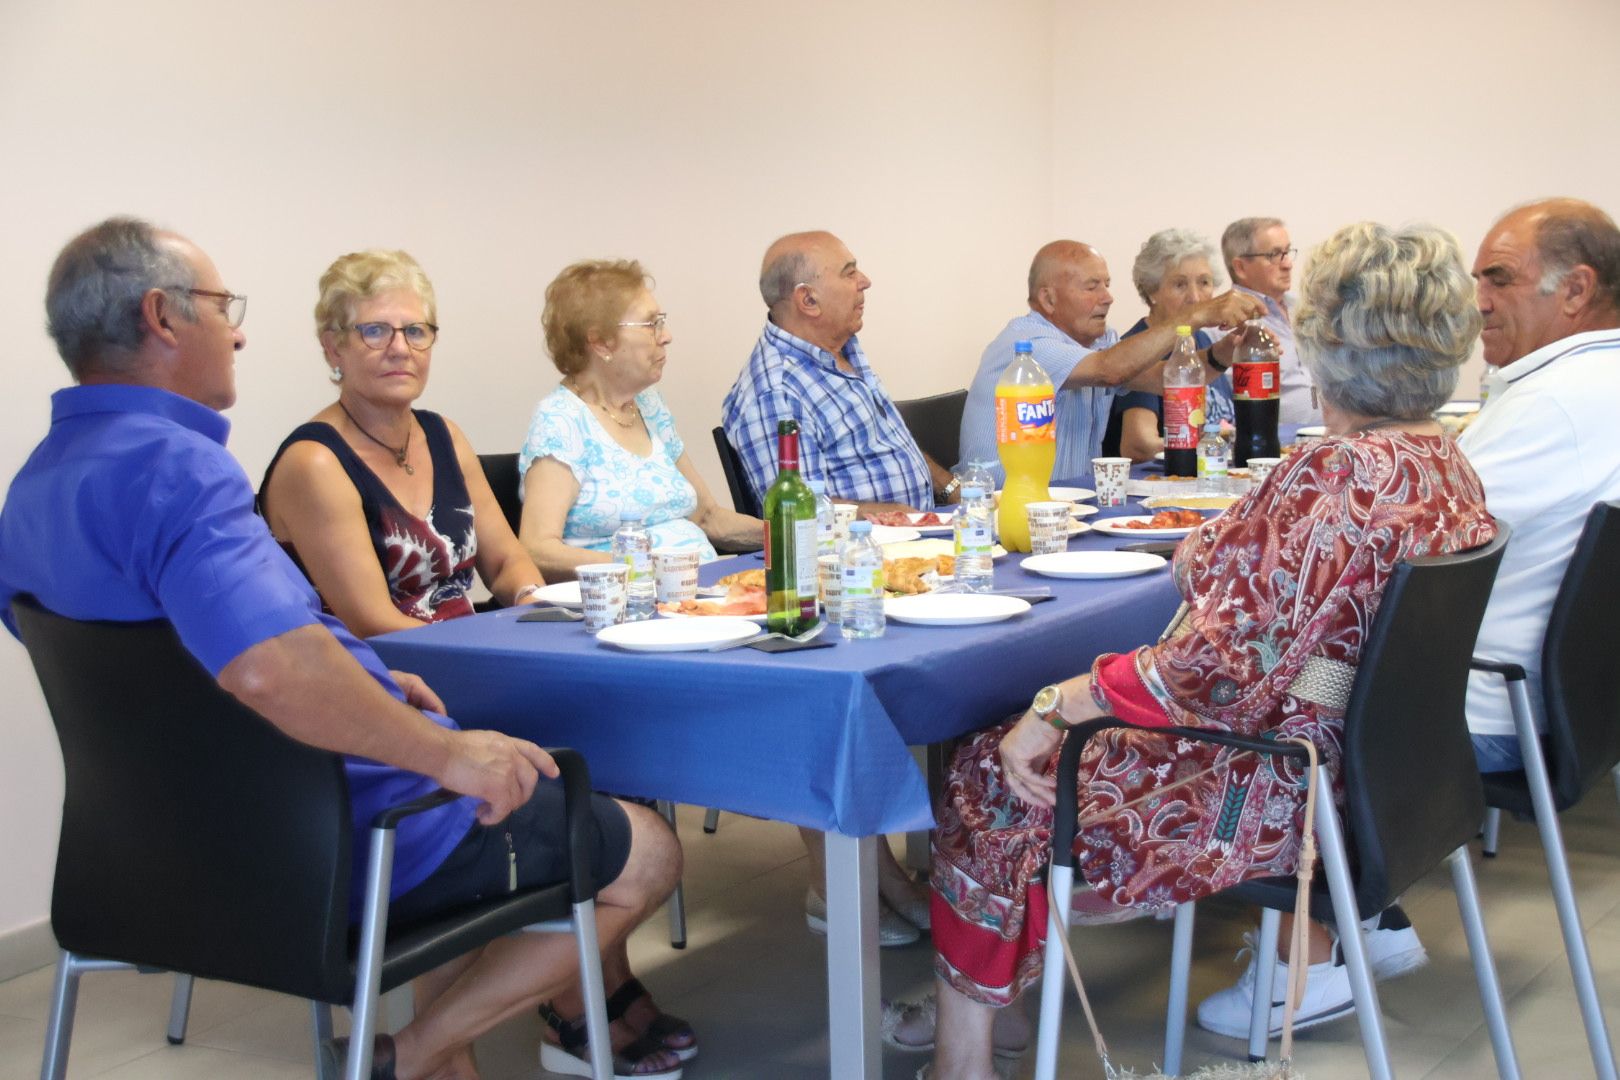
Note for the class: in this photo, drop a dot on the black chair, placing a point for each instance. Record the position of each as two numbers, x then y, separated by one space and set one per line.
501 470
1407 759
196 838
1581 710
936 423
742 499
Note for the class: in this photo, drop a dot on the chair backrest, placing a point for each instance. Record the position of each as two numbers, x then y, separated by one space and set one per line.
1581 694
1412 789
195 836
501 470
936 423
742 499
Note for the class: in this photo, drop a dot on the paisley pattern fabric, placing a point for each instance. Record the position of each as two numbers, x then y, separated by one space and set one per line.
611 478
428 561
1294 570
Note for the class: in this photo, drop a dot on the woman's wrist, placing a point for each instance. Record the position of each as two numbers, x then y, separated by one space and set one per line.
526 593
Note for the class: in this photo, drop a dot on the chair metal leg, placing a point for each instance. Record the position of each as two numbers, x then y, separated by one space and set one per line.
1265 963
1569 916
1479 950
1331 841
711 816
1053 975
1616 775
180 1009
320 1029
677 899
1175 1019
1489 831
368 961
59 1030
590 988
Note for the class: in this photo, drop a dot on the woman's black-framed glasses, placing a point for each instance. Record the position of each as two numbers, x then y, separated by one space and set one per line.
380 335
232 306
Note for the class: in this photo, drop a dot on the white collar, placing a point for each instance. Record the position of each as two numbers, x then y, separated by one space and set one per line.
1535 361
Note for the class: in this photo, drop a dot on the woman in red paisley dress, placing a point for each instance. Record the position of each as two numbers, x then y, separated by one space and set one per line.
1280 590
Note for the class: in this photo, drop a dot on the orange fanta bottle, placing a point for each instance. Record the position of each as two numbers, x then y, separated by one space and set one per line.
1026 442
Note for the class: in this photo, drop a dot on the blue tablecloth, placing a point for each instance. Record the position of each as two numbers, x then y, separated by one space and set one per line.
818 738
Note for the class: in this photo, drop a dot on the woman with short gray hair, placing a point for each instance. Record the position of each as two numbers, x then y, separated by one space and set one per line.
1174 270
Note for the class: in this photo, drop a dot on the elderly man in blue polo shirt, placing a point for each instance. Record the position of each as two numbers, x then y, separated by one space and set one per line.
808 366
1067 324
132 509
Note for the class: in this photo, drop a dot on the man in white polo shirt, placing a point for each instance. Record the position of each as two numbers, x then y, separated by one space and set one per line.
1545 445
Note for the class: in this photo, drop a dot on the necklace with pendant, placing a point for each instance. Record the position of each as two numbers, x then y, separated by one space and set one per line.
399 452
608 410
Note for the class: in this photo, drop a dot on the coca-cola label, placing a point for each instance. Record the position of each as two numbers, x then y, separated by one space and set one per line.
1183 416
1256 382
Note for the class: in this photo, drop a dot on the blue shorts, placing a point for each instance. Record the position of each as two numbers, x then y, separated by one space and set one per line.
535 834
1497 753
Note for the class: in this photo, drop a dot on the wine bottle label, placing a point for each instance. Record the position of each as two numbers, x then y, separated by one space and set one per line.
1256 382
804 561
1183 416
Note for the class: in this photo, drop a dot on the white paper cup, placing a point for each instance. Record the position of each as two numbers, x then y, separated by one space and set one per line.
830 578
1048 527
676 574
1260 468
601 587
1109 475
843 514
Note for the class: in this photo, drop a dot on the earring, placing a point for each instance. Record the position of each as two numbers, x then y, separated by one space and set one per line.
336 375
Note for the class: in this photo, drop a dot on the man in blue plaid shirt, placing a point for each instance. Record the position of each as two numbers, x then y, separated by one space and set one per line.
808 366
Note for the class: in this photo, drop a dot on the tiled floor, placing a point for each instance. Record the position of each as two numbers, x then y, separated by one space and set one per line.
753 982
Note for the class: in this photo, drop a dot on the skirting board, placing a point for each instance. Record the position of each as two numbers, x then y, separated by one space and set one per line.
26 948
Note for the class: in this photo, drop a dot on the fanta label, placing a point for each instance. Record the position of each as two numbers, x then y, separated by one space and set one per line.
1026 420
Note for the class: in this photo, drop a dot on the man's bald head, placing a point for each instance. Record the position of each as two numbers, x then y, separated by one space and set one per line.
813 288
1570 233
790 261
1056 259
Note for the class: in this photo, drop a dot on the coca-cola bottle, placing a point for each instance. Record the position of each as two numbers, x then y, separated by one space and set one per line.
1256 384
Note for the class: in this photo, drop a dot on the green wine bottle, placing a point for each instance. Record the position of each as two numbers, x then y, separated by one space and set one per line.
790 540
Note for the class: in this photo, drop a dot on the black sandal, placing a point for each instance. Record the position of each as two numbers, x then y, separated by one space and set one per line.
671 1032
335 1056
568 1055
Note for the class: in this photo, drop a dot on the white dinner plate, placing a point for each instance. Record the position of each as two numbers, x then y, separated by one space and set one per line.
931 548
1093 564
760 618
1078 527
1190 502
1081 510
1117 526
935 530
1314 431
890 534
1071 494
953 609
562 594
677 635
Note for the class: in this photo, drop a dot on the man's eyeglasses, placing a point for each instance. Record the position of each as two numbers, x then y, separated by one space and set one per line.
1272 256
379 335
656 323
233 307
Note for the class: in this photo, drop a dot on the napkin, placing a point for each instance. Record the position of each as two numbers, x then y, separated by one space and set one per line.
550 614
776 645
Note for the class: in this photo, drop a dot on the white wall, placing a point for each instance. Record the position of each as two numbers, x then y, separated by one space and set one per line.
499 141
944 141
1447 111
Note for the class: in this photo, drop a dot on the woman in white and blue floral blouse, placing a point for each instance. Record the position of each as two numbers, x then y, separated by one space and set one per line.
603 443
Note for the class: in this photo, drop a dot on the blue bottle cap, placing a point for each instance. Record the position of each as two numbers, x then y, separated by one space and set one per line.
1022 347
860 528
974 492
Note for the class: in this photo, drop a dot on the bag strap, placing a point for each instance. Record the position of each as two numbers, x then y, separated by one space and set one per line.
1298 942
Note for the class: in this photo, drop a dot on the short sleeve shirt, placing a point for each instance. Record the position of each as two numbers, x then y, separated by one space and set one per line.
131 509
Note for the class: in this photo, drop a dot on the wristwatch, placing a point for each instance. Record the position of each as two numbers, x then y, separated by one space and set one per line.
950 488
1048 705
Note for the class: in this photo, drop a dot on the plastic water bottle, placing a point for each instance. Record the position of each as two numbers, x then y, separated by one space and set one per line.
862 563
977 474
1213 459
632 545
975 572
826 521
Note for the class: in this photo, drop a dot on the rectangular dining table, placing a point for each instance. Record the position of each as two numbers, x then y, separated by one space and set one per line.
818 738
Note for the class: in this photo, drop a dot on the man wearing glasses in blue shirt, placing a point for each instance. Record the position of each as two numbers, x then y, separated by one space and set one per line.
1260 257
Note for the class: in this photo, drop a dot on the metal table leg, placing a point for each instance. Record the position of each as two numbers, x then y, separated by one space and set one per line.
852 958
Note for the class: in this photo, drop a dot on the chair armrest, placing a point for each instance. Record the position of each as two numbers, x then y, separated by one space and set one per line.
1510 672
580 820
392 816
1066 812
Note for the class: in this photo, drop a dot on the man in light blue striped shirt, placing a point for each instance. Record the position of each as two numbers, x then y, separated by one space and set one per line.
808 366
1067 324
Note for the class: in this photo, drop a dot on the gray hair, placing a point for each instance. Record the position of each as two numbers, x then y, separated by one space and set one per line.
1164 251
93 295
1575 234
1239 236
784 273
1385 318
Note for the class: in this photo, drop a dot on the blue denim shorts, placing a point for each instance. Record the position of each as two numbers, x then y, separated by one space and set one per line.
1497 753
